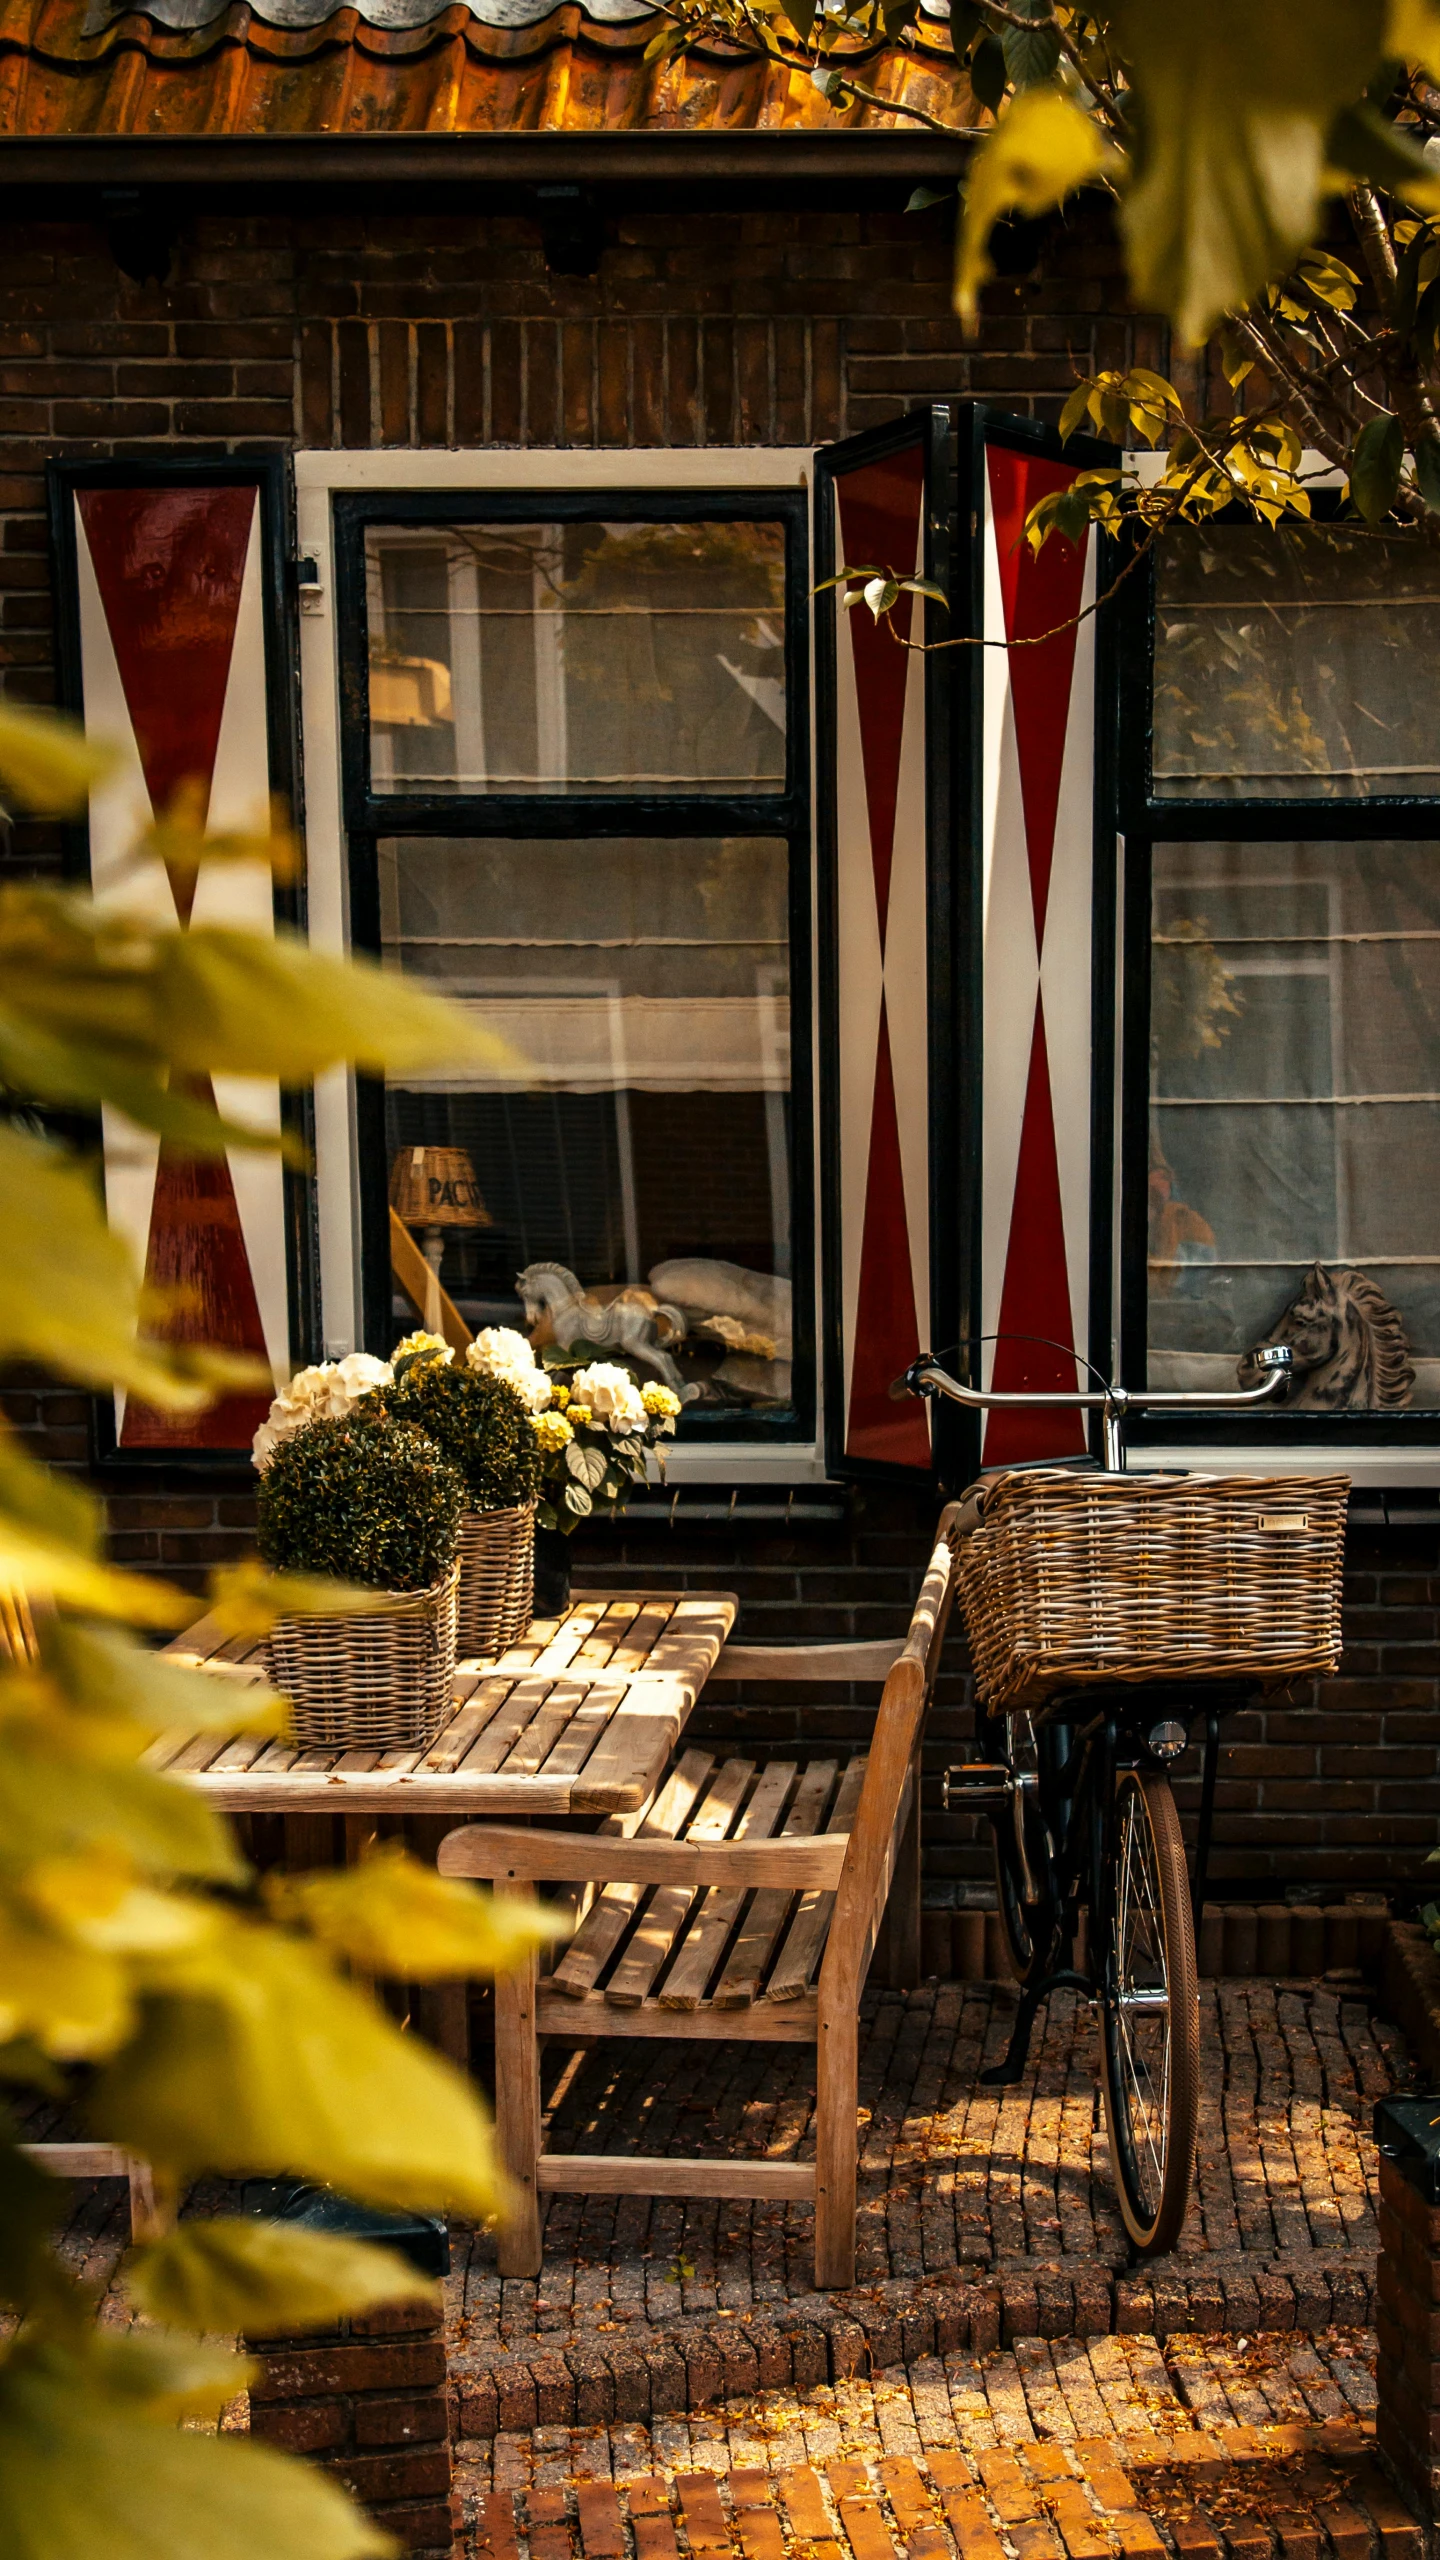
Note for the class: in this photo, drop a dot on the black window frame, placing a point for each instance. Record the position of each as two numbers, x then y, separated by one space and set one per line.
1140 819
786 814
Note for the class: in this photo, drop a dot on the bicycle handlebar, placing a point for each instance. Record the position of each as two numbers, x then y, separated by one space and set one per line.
925 1377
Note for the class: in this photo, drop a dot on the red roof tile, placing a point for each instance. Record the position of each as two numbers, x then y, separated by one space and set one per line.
239 77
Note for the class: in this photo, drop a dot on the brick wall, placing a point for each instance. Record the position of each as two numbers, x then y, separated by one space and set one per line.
706 324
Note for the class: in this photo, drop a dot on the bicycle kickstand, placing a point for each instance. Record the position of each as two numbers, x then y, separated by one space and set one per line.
1003 2075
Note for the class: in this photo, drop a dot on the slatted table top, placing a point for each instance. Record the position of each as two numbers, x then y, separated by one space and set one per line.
580 1718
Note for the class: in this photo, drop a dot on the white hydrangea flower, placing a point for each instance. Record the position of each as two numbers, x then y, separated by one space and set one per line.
612 1396
498 1351
323 1393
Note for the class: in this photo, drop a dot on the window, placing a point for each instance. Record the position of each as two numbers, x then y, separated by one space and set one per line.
1282 978
577 788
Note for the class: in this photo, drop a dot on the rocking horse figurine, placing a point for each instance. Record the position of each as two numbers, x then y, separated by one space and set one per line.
631 1321
1348 1343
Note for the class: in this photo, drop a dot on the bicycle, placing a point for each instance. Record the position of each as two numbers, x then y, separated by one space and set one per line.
1077 1733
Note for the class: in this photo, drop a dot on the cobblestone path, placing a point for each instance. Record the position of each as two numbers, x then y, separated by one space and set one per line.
985 2215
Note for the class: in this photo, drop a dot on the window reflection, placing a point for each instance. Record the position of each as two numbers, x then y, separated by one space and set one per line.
1295 1107
1295 662
638 1134
584 656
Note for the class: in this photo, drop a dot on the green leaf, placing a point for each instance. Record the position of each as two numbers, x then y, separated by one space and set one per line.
1031 53
1427 473
989 77
967 21
234 2273
1232 109
391 1915
585 1463
1041 150
1364 144
1376 458
801 14
578 1501
919 200
896 16
88 2471
252 2058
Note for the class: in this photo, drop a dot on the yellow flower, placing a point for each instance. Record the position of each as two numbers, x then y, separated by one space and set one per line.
561 1396
579 1415
551 1431
659 1400
423 1346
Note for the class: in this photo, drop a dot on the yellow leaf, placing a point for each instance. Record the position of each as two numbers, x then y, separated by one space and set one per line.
95 1901
391 1915
47 762
234 2273
179 839
1412 33
173 2377
69 1291
72 2001
90 2474
252 2057
64 1790
1042 149
1233 108
109 1675
46 1568
247 1599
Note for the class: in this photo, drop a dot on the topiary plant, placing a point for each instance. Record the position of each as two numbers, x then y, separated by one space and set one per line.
368 1498
480 1423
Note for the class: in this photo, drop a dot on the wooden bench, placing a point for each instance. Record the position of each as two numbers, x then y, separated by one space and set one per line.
747 1904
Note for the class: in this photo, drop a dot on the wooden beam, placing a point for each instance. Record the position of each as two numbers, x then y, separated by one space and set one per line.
79 2159
436 1309
626 2173
577 1858
572 2021
809 1661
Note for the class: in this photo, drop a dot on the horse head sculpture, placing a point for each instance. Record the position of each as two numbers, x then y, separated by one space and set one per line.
1349 1346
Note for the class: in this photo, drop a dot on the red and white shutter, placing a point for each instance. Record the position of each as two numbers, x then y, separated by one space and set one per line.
875 505
1037 798
171 656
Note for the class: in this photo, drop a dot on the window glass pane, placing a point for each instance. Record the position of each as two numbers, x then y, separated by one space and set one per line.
1295 1115
1295 663
638 1135
577 657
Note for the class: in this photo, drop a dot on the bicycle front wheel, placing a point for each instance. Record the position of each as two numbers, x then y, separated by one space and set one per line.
1150 2017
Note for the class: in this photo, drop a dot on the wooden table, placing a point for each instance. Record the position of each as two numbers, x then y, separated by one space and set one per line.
579 1719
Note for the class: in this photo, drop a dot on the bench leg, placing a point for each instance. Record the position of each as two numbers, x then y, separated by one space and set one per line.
517 2115
837 2060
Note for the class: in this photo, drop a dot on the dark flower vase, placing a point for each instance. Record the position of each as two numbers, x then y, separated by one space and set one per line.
552 1573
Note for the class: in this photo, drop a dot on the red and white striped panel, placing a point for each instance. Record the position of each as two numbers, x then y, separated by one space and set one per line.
172 652
1037 851
881 919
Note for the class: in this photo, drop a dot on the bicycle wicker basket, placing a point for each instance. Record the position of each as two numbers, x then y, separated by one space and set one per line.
379 1682
497 1579
1068 1579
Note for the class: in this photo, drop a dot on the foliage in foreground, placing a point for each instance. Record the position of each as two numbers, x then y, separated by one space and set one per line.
1277 174
198 2017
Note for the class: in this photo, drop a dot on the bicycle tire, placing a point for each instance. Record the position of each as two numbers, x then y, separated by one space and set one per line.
1150 2059
1014 1929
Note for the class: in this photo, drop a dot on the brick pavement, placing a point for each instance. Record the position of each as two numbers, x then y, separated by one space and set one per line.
985 2215
1105 2461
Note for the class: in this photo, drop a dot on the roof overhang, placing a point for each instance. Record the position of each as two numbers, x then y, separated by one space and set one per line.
750 156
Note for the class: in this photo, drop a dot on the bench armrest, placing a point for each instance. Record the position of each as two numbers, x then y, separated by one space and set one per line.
504 1857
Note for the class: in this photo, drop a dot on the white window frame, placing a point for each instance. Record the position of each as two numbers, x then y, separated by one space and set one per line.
319 476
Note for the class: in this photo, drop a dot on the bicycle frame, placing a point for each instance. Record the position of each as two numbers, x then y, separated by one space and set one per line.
1078 1817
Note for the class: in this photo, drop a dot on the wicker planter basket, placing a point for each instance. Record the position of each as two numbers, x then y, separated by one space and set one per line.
497 1579
375 1683
1068 1579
